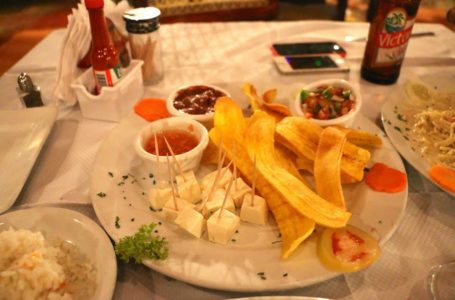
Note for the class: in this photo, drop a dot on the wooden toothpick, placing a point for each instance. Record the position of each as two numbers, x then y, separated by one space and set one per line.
215 182
234 159
226 196
169 169
253 191
157 153
179 167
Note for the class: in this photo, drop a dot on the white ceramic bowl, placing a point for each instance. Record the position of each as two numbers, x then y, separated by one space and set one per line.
345 120
205 119
188 161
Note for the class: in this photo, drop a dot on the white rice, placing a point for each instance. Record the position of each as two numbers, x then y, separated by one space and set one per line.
31 268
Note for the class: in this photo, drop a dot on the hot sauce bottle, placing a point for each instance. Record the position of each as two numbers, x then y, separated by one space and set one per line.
105 61
388 38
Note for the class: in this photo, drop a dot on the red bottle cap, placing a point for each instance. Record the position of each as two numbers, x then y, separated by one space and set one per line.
94 3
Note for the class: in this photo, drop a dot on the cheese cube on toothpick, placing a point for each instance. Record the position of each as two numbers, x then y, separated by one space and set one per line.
222 225
191 221
209 180
186 176
239 190
159 196
254 210
175 205
216 201
189 189
171 212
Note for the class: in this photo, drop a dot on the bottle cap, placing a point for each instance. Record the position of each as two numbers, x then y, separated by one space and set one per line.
94 3
142 20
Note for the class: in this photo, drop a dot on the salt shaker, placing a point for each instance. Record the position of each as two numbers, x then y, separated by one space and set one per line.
142 25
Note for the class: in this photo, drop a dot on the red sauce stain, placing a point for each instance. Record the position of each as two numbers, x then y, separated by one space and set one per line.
181 141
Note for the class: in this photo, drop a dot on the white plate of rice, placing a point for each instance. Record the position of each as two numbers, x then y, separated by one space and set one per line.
54 253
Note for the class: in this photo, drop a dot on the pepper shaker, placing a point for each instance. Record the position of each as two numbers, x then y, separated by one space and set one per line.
29 93
142 25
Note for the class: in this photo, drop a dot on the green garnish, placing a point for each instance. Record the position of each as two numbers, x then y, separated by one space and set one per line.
346 94
303 95
142 245
117 222
327 93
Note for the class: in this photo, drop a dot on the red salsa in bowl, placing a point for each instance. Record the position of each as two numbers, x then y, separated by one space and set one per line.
197 99
181 141
327 102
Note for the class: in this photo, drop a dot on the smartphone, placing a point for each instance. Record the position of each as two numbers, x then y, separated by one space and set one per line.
310 48
310 64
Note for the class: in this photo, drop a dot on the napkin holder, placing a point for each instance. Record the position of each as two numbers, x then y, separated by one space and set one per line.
113 103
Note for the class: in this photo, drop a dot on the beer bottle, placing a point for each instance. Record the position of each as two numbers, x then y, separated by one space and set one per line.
105 61
390 30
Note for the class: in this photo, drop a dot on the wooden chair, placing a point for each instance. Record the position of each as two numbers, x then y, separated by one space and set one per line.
209 10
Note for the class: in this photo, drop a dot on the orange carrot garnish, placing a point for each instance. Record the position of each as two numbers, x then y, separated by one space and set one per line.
382 178
151 109
444 176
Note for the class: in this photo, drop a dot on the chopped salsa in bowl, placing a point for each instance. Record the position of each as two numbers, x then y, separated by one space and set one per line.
326 102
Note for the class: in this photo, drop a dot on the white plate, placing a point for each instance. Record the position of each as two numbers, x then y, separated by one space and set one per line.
256 249
396 129
69 225
22 135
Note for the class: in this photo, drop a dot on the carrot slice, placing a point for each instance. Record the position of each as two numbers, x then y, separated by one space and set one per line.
151 109
444 176
382 178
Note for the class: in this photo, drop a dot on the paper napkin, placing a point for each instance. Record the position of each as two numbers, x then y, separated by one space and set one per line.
76 43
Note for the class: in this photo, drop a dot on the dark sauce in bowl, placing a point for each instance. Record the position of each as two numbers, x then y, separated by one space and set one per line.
197 99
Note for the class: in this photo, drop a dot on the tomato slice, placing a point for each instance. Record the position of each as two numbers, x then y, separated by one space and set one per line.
347 249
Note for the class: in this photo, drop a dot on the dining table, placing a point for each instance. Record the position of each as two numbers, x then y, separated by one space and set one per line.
237 52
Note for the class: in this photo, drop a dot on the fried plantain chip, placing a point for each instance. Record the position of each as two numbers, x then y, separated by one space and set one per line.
327 166
210 155
277 110
294 227
269 96
302 137
260 144
361 138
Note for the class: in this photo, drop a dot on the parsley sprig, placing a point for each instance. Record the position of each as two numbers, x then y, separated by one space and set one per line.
144 244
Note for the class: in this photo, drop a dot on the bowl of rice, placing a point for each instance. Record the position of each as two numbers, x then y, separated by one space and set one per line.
54 253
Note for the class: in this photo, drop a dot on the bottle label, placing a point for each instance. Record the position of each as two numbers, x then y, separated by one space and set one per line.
391 43
108 77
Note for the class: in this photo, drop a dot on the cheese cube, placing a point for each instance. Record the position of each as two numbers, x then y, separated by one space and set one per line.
209 179
216 202
256 214
191 221
222 227
159 196
169 210
238 193
189 190
189 176
216 194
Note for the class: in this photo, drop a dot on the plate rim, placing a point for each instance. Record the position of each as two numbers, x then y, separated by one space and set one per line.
49 117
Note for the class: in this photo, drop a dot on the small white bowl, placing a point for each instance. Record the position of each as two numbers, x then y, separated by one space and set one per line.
205 119
189 160
345 120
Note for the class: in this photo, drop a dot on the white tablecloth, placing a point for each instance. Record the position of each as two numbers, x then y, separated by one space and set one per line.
236 52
